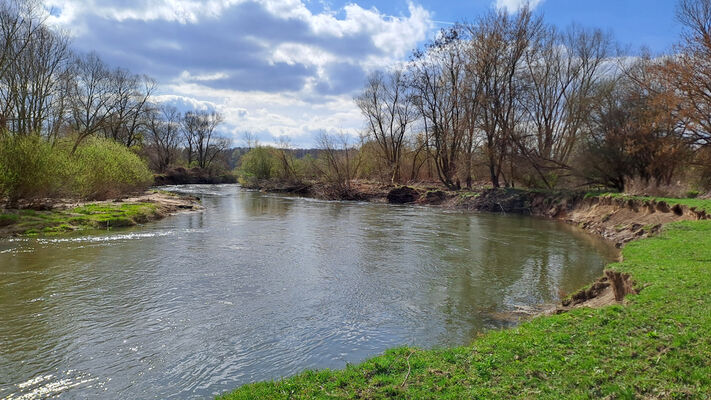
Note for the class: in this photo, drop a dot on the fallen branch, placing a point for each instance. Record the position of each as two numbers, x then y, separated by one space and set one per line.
408 368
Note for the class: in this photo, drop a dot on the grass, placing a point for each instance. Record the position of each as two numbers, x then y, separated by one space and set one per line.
91 216
656 346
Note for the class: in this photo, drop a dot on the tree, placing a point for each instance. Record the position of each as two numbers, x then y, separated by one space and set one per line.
163 139
689 72
203 143
387 106
437 78
560 71
91 97
499 43
131 96
339 162
34 80
632 133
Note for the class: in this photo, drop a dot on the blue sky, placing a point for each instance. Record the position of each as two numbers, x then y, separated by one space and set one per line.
290 68
635 23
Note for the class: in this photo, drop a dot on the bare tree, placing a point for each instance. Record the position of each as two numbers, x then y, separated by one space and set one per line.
19 22
34 80
131 96
560 71
689 72
92 97
499 42
340 161
387 106
437 77
163 137
202 141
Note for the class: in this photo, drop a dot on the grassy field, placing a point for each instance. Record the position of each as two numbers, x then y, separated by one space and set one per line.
91 216
657 346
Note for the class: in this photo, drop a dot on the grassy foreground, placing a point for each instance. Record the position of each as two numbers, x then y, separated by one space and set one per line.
90 216
658 345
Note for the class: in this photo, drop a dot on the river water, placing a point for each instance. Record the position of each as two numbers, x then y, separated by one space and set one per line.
261 286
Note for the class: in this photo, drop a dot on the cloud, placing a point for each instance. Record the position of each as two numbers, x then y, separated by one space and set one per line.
515 5
272 66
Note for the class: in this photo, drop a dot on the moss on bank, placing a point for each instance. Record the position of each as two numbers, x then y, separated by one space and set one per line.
90 216
655 346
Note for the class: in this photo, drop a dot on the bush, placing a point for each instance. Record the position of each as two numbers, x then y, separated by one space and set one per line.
259 164
104 169
31 168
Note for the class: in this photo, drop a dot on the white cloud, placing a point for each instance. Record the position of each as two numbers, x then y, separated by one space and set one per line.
272 67
515 5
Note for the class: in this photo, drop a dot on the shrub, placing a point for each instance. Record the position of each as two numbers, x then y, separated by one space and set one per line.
29 168
104 168
258 164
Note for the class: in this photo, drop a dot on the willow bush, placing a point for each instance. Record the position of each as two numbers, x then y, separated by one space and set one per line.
31 168
105 169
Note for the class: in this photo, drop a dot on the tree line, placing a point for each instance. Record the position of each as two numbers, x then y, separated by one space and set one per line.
512 100
49 90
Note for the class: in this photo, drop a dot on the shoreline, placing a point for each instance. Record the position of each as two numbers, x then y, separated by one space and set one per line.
617 219
58 216
631 332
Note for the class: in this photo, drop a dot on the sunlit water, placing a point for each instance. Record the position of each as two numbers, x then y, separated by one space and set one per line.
262 286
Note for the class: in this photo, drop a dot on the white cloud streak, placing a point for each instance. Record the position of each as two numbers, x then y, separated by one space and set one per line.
514 5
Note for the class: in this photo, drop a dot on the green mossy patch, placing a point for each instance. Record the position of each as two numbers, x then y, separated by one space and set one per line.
91 216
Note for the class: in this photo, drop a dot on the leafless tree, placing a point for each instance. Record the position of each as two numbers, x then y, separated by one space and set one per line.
690 70
437 78
19 24
203 143
163 139
34 80
387 106
131 96
560 71
340 161
91 98
499 43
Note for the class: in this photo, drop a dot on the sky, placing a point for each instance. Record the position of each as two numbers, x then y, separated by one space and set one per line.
290 68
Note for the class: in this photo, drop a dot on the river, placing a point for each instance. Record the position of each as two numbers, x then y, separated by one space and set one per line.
260 286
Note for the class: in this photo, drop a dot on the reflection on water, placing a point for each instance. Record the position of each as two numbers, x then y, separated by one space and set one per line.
262 286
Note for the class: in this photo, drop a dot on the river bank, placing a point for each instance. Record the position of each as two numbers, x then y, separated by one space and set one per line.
57 216
615 217
651 345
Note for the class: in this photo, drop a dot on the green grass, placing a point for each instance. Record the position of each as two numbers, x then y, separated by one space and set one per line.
658 345
91 216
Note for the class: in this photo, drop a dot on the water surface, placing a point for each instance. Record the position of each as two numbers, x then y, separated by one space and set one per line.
262 286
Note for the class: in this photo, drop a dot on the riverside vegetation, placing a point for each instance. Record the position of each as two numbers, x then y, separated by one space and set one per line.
508 101
74 129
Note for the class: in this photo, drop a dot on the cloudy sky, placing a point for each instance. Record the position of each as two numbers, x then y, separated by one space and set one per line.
291 67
